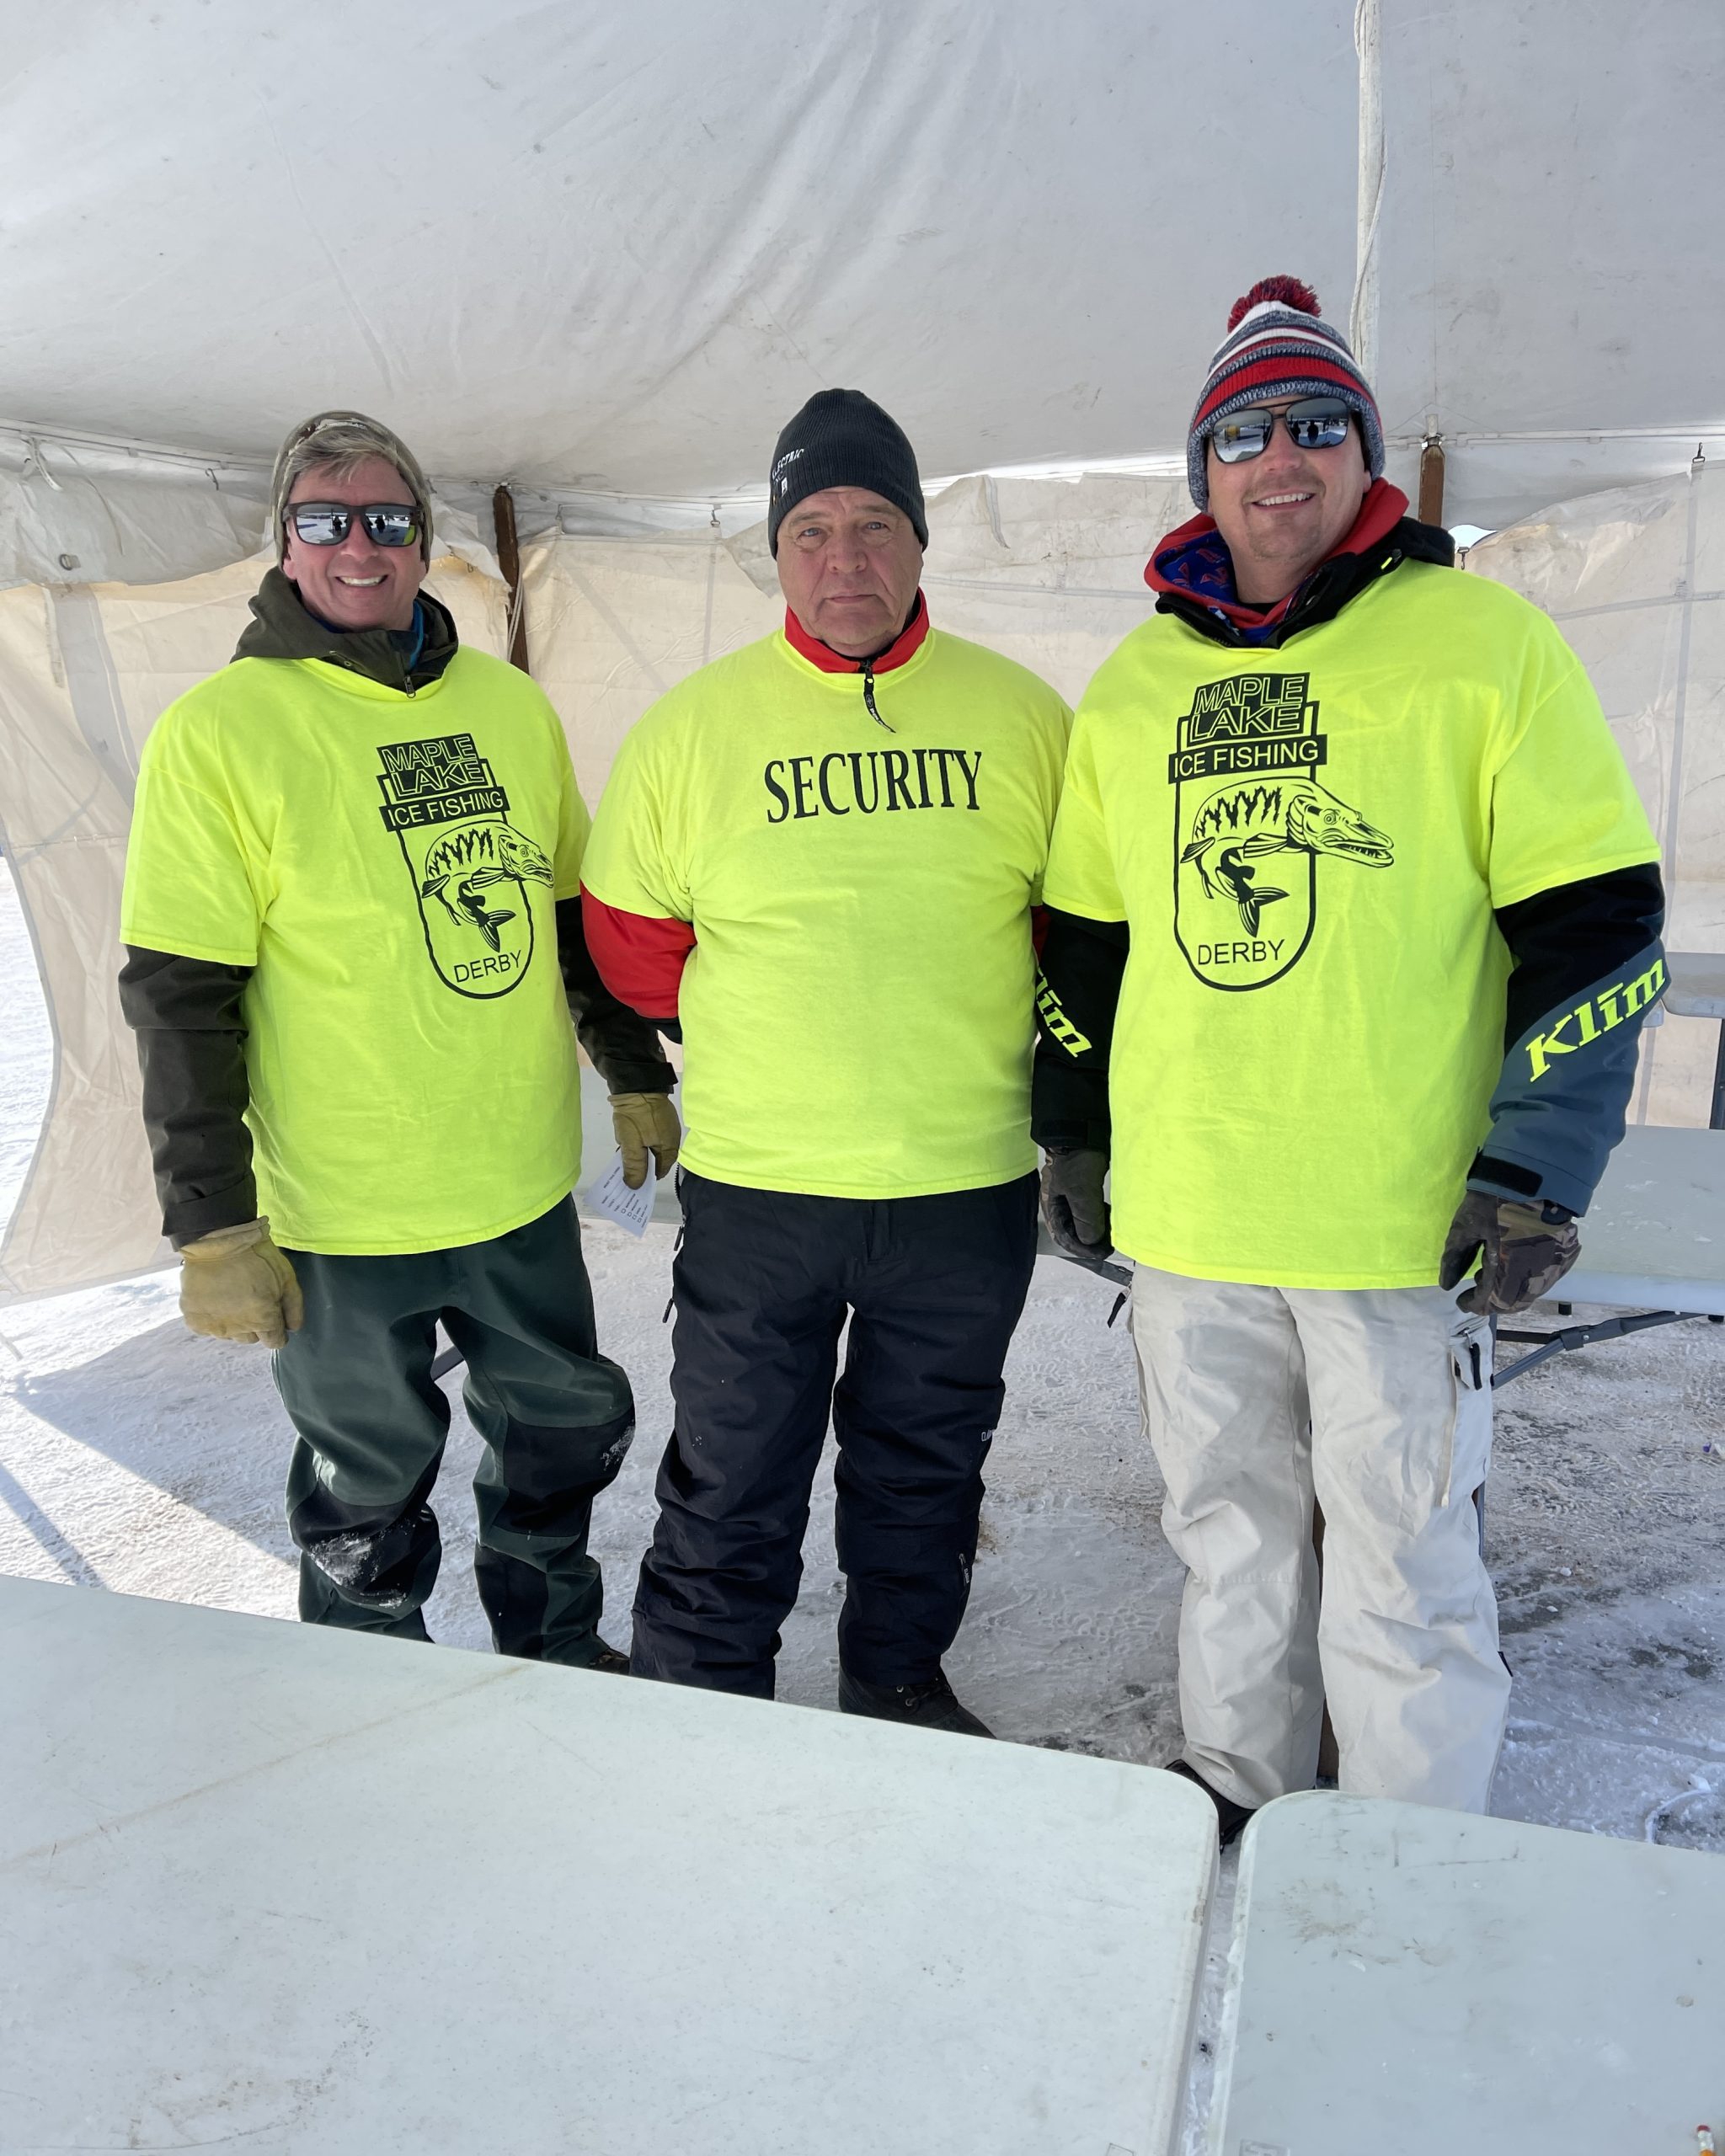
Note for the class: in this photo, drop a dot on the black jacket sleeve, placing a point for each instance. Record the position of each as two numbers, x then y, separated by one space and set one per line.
1083 963
191 1036
622 1047
1589 967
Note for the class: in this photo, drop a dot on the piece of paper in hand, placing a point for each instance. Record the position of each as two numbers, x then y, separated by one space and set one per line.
611 1196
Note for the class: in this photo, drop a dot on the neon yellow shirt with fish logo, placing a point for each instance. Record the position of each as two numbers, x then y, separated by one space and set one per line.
1308 845
388 864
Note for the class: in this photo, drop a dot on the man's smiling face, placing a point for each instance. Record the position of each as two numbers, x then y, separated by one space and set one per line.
1282 513
358 584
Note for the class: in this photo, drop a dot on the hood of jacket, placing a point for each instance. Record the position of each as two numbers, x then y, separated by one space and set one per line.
1192 572
282 626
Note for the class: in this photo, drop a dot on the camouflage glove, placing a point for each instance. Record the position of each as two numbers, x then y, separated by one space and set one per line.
644 1123
1073 1204
236 1285
1527 1249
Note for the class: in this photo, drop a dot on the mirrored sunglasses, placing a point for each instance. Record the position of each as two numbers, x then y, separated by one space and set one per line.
327 524
1314 423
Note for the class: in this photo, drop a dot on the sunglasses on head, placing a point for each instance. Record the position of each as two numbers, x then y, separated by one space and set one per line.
327 524
1314 423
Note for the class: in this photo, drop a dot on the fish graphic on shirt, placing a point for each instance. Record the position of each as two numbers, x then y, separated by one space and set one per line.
461 867
1234 829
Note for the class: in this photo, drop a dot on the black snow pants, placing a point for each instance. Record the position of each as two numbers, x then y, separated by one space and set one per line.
556 1416
762 1284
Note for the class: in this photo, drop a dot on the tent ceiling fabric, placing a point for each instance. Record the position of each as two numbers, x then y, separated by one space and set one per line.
615 247
1550 241
1549 246
612 249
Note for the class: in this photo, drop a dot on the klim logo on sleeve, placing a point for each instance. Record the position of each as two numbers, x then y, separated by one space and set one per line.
1053 1016
1593 1016
1251 824
470 866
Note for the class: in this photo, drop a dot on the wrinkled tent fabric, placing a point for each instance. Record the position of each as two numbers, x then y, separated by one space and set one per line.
1048 571
612 250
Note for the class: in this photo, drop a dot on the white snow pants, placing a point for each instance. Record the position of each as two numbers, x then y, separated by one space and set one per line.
1380 1398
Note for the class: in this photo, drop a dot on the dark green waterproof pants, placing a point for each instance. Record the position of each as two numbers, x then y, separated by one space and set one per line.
556 1416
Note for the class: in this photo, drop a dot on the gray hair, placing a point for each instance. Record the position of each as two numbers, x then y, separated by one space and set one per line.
337 442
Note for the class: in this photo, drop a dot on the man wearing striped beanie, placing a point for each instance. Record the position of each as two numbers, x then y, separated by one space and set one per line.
1278 345
1353 917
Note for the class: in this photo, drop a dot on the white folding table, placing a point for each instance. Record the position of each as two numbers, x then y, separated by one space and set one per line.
284 1890
1655 1232
1695 988
1411 1983
1653 1243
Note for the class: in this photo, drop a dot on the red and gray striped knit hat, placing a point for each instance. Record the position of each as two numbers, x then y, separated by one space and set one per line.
1278 345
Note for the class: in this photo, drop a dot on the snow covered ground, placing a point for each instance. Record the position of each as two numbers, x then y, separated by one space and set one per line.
134 1456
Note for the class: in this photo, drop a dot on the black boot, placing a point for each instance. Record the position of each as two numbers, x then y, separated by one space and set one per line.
1231 1817
609 1662
931 1705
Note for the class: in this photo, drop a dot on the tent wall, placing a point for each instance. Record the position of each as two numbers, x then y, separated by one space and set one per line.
1049 571
1635 578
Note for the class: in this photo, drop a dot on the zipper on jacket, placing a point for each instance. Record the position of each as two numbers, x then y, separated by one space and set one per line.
868 697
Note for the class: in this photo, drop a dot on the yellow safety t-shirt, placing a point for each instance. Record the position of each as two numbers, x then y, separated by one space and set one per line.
857 1011
388 864
1308 845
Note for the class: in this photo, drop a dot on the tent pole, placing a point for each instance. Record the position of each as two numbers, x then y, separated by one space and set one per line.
509 560
1362 315
1431 479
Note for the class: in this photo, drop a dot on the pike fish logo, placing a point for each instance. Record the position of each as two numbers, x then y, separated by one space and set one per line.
471 869
1251 825
462 868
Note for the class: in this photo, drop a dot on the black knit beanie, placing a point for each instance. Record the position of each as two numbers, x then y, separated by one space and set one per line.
841 438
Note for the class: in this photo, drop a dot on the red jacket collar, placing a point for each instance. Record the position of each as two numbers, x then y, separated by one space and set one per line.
1193 559
907 640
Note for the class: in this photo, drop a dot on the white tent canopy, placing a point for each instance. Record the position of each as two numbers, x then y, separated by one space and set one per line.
612 250
603 255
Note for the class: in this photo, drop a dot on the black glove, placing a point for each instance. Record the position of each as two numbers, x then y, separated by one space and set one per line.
1072 1203
1527 1251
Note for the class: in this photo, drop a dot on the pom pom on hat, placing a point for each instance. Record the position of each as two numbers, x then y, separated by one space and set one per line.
1285 291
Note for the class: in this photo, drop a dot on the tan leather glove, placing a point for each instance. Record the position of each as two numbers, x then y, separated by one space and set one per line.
644 1123
236 1285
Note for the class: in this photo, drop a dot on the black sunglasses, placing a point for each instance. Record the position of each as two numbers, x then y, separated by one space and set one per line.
1314 423
327 524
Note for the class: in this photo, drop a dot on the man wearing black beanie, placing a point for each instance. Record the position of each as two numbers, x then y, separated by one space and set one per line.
841 438
818 859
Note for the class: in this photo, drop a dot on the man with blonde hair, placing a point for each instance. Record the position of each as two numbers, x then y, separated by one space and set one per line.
354 949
